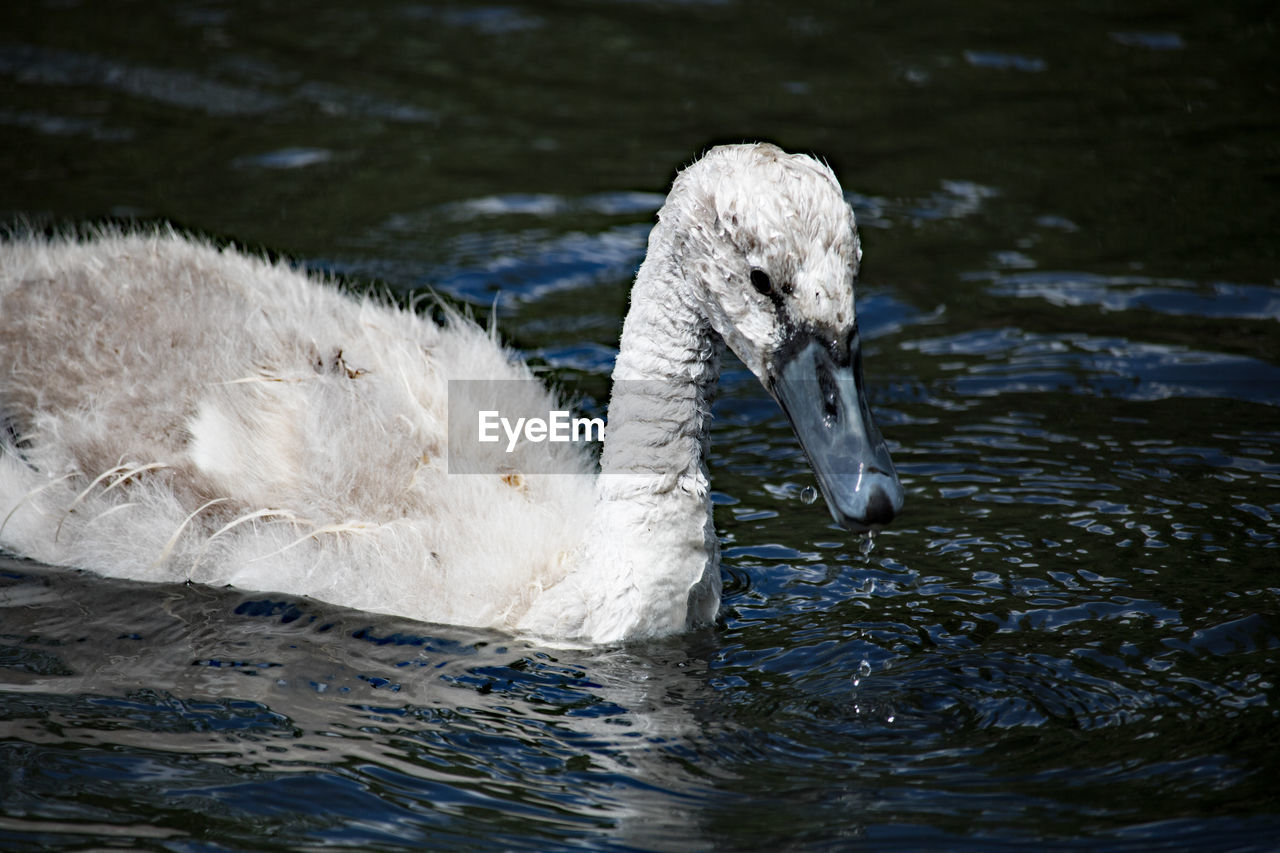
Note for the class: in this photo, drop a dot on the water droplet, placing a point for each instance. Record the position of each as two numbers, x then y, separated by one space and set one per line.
868 544
809 494
864 668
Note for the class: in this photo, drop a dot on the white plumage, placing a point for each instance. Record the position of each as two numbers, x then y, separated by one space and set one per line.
174 411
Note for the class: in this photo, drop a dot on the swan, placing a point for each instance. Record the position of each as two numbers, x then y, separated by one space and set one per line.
174 411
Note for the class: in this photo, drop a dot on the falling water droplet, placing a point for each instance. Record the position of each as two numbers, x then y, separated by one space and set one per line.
809 494
864 669
868 543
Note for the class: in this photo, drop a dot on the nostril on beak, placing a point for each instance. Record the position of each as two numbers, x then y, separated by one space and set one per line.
879 508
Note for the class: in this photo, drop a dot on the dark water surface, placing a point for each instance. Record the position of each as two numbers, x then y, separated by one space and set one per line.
1072 322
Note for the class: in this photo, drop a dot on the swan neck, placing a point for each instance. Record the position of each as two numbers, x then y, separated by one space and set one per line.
664 379
649 563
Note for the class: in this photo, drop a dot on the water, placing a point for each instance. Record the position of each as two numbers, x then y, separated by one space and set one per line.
1070 312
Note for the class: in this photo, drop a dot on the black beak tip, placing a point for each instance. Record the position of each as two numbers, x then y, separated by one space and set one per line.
879 509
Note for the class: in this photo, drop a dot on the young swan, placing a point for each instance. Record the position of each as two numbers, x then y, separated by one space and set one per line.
172 411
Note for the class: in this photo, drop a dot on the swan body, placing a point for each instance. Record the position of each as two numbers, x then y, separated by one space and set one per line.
174 411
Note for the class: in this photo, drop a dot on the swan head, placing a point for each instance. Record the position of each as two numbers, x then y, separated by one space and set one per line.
769 250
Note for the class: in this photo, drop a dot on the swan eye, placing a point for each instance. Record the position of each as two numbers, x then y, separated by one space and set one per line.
760 281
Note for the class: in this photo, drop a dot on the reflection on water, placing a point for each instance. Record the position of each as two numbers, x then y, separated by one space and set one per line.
1069 312
1122 293
250 708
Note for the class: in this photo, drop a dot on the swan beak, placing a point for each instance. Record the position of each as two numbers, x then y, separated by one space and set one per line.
821 390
